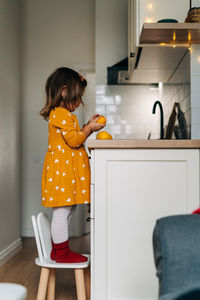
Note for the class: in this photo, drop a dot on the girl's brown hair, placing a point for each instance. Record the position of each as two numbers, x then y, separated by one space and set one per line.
63 77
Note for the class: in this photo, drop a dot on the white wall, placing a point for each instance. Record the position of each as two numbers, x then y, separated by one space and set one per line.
111 35
9 128
195 92
55 33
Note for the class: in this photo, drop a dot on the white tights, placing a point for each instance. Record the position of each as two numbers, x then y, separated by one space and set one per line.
60 223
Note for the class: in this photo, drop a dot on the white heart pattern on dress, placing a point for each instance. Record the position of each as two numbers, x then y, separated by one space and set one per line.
57 172
51 198
63 122
58 130
69 200
82 178
83 191
56 160
67 161
73 181
50 179
57 187
59 147
64 132
62 189
64 173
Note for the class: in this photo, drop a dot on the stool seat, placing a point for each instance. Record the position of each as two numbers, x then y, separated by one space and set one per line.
12 291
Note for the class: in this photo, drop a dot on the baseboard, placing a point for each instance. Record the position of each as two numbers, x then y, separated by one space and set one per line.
10 251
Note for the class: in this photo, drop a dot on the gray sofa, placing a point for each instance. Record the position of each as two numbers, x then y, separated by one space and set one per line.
176 245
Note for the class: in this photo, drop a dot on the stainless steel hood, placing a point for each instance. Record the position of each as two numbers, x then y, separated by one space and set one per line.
153 64
162 48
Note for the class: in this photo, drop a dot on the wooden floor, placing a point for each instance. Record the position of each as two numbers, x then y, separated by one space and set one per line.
22 269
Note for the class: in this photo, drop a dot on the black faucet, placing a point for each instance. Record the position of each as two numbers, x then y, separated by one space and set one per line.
161 118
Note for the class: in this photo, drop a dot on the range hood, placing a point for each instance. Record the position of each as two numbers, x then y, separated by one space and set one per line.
162 47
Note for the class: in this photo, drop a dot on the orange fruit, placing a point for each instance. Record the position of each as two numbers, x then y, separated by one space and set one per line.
110 137
103 135
101 120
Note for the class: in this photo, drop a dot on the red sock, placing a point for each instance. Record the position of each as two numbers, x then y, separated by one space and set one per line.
61 253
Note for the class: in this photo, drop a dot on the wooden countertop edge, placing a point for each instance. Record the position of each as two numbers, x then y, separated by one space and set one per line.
143 144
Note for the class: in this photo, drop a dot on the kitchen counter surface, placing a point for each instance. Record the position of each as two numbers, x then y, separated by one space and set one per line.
143 144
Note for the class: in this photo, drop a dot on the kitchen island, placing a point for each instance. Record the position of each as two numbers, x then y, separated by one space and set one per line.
133 183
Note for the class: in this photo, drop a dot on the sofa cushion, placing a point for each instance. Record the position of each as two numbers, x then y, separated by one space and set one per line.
193 294
176 245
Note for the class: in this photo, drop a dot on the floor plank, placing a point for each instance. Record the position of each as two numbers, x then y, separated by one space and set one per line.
21 269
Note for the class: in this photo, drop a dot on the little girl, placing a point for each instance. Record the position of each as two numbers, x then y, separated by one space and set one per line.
66 172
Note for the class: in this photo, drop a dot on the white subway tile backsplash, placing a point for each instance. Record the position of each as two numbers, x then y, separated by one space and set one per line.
110 119
128 109
195 62
102 99
195 116
100 109
195 132
195 99
111 109
118 99
100 89
115 129
195 83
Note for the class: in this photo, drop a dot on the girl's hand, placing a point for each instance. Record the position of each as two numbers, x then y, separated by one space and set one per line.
96 126
93 117
92 126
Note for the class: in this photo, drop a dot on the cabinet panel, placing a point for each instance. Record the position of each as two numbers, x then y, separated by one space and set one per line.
133 188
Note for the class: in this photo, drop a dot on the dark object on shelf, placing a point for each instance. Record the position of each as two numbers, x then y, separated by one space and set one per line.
193 15
177 132
167 21
171 123
182 122
113 71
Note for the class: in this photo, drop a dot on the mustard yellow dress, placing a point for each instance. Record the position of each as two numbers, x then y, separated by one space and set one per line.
66 170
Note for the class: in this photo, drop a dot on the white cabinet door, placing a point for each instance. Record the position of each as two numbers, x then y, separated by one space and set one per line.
154 10
150 11
133 188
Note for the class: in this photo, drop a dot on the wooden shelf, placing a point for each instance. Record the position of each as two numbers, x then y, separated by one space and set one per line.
170 33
